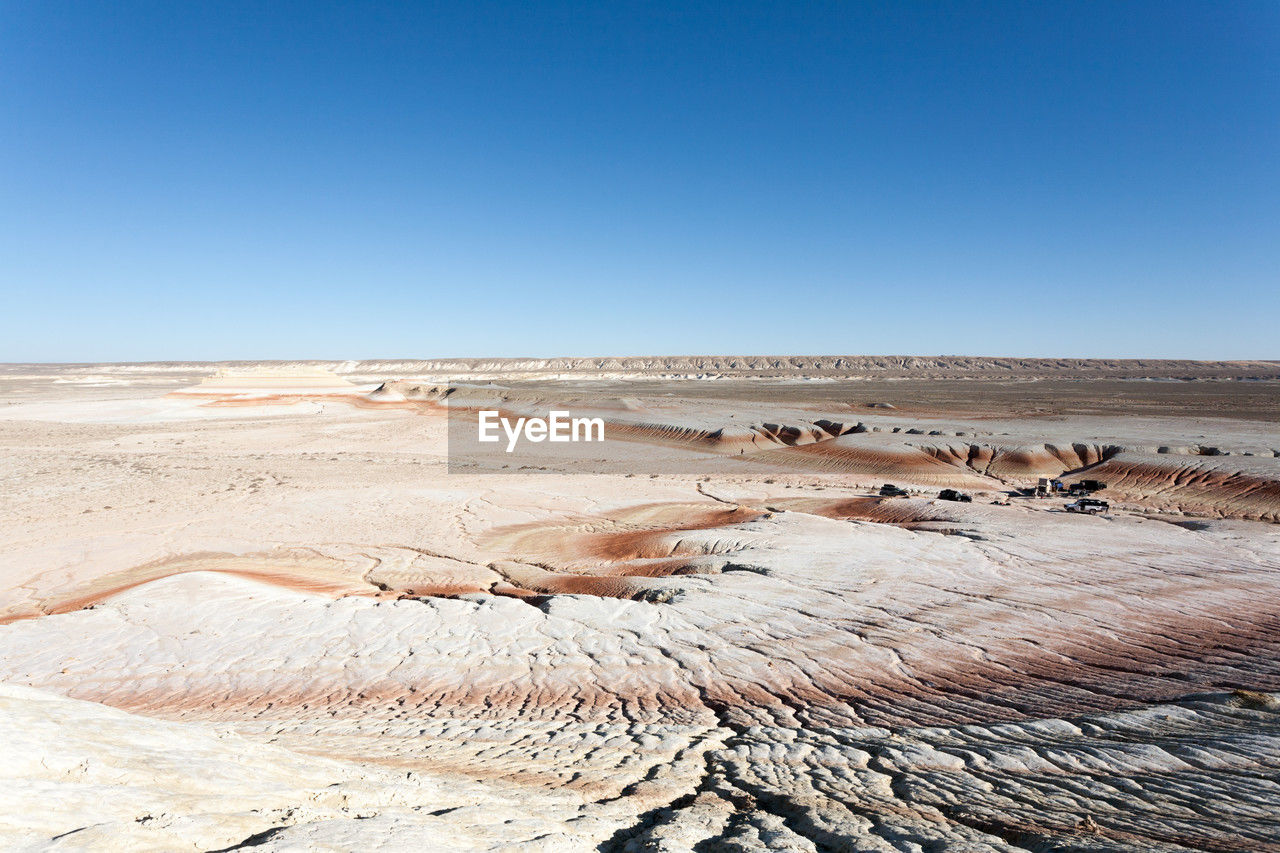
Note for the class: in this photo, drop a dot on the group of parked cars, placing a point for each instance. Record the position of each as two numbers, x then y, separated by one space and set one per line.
1083 504
889 490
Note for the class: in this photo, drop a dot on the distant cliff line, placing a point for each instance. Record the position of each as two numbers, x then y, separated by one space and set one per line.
762 367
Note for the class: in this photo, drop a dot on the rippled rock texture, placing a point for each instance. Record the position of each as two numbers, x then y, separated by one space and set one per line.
287 627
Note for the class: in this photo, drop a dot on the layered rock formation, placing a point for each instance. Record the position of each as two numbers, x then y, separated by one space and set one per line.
290 628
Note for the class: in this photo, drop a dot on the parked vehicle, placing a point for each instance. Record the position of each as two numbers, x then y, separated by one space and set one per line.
889 490
1085 487
1091 506
953 495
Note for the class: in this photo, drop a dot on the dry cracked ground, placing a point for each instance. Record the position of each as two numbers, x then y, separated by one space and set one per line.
269 609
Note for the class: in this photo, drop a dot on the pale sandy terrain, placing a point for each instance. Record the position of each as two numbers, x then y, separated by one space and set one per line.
294 609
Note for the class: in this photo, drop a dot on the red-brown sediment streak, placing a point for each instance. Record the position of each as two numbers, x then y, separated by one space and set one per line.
310 574
1158 655
637 533
1190 484
902 513
358 401
911 464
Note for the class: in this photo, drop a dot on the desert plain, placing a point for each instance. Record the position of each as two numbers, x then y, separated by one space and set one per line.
293 607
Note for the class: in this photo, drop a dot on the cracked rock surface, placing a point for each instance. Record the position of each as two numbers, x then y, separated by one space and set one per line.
287 626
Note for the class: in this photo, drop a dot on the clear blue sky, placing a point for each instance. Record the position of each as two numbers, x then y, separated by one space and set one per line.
320 180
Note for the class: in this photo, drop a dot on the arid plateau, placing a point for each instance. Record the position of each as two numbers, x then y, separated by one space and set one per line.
296 607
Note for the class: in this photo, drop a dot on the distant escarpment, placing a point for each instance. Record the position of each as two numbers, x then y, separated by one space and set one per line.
836 366
757 366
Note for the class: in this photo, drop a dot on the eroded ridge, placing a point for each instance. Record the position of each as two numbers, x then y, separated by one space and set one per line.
779 693
285 626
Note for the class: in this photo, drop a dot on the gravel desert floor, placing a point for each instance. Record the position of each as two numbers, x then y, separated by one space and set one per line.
297 607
